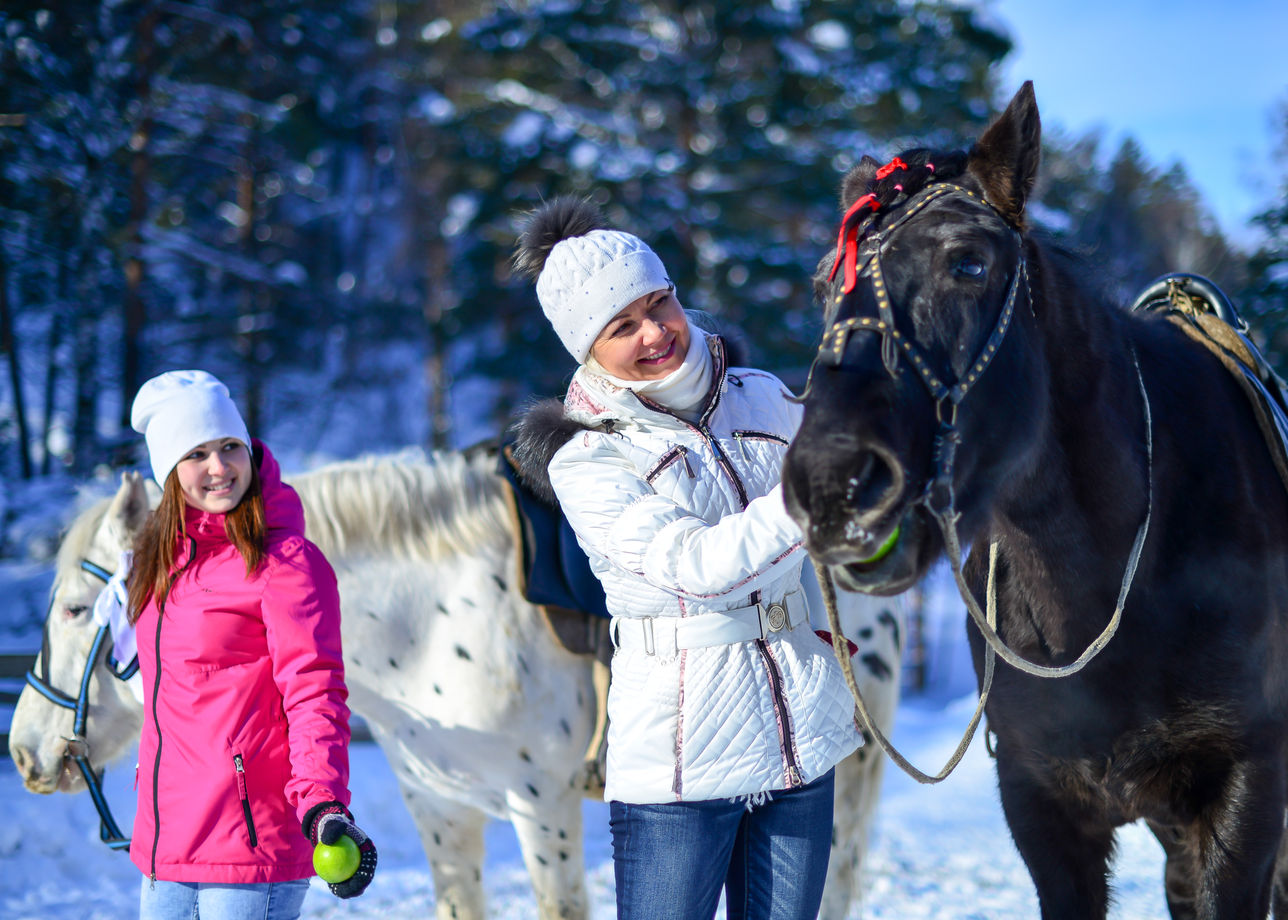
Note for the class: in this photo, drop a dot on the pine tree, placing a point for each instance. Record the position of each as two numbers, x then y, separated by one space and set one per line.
1265 296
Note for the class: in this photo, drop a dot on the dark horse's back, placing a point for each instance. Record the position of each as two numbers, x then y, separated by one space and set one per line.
971 387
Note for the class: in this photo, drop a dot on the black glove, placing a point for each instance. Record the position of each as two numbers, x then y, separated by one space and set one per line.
327 823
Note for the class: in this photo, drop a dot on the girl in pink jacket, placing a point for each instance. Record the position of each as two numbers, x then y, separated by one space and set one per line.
237 616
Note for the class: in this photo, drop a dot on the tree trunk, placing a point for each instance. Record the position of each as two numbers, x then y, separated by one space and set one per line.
135 314
252 315
84 426
9 347
438 379
51 379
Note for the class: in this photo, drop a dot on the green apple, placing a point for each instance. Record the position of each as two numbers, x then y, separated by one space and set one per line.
336 863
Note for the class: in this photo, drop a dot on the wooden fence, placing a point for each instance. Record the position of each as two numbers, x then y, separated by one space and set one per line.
13 671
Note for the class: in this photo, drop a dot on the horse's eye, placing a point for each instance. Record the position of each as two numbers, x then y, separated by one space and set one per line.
75 611
969 267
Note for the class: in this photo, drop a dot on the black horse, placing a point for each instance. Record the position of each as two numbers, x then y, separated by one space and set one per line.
972 383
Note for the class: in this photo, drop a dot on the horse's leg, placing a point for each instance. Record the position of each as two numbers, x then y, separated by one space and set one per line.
1279 893
1067 855
548 825
452 835
1180 872
1239 837
858 787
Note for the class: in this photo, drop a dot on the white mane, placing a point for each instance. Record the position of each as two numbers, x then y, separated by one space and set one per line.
416 507
79 538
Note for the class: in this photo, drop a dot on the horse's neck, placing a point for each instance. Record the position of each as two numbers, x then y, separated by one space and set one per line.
1082 501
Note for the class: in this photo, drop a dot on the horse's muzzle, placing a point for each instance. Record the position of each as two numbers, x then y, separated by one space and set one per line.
895 571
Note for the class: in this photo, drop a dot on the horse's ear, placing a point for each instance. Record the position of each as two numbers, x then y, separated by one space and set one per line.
857 180
129 508
1005 158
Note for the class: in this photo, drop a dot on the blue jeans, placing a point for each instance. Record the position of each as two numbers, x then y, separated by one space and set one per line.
219 901
672 860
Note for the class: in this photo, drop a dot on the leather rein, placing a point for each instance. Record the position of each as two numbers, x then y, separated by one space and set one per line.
78 746
862 258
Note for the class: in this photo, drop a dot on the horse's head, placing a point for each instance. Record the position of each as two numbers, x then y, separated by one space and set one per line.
41 738
926 368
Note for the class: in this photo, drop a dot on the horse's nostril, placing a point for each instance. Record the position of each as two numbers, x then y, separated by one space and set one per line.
23 761
874 485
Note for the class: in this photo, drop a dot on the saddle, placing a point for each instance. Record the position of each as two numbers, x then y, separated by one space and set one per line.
1203 312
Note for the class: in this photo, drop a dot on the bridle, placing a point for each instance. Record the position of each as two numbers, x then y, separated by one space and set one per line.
77 745
831 351
862 258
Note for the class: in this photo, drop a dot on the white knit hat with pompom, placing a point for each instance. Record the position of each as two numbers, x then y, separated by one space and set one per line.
588 279
178 410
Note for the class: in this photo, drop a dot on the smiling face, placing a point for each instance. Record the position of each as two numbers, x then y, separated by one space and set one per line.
215 475
645 341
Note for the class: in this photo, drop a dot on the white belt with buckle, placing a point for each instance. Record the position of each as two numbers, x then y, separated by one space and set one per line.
667 635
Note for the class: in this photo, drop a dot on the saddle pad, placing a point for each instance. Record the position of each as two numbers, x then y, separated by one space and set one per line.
1206 315
1262 387
554 569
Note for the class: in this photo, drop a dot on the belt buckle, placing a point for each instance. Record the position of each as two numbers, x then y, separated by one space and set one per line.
776 617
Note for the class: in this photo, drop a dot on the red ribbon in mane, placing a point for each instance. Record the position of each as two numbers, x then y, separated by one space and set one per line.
847 241
890 167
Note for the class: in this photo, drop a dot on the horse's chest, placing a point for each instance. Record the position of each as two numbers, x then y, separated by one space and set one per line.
1163 769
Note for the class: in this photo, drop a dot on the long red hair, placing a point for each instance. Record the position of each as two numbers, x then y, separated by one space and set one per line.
152 574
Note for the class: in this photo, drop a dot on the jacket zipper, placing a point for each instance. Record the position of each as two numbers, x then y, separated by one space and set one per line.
785 738
156 720
245 798
743 436
786 741
759 436
726 464
678 452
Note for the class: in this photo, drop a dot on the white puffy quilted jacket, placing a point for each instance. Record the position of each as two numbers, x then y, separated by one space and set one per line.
682 520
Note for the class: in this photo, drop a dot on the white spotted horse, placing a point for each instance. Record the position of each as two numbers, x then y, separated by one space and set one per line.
1125 505
480 711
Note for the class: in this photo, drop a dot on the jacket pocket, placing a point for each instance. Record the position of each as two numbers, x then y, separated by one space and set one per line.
677 454
240 767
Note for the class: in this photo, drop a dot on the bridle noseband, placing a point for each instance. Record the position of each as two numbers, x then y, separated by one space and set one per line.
77 745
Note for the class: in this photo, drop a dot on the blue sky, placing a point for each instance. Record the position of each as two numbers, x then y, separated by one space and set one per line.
1198 82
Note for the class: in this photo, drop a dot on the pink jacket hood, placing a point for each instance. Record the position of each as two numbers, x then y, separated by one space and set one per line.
245 718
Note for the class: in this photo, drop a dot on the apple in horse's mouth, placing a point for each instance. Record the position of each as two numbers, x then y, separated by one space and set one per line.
884 549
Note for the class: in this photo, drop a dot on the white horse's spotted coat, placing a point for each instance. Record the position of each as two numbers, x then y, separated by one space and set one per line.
479 712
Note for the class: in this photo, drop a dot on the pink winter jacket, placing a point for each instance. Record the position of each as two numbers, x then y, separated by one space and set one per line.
245 725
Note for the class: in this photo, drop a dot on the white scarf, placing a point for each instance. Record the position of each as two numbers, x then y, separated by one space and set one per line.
110 610
684 390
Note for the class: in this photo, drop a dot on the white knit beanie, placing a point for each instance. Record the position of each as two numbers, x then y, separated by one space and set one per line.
178 410
587 280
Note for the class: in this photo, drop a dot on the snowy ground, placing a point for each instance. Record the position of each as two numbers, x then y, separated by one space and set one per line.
938 852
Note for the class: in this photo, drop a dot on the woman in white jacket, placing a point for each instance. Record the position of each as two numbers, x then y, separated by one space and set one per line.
726 712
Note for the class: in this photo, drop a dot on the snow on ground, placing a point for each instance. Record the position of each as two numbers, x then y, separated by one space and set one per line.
937 852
